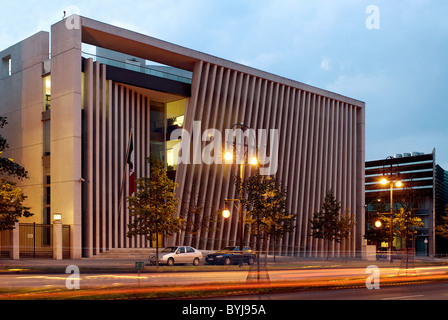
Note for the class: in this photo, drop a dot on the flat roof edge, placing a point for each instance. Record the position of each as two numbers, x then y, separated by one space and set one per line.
190 56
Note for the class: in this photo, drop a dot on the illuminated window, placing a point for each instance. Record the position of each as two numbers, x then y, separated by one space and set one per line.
47 93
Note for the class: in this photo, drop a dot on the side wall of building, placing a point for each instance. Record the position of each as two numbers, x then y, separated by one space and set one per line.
66 129
21 101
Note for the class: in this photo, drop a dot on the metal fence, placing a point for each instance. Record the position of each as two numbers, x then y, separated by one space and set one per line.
36 241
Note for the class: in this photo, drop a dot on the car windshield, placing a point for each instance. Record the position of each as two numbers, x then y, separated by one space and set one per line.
169 249
230 248
234 248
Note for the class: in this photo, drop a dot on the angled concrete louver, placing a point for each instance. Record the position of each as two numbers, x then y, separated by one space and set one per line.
321 148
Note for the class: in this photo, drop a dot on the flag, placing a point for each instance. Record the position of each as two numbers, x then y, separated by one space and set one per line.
131 167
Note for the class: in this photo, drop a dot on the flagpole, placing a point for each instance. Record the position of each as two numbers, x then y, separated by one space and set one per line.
124 169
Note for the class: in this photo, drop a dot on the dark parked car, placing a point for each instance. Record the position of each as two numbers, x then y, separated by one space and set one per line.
231 255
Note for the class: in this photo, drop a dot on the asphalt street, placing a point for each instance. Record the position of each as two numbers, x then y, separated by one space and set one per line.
86 280
425 291
174 278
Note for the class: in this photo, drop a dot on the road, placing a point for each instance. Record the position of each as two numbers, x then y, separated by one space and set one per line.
426 291
87 280
173 278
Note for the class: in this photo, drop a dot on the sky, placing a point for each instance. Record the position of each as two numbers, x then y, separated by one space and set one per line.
393 55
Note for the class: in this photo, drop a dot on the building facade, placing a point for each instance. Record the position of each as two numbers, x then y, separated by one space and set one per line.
72 114
424 191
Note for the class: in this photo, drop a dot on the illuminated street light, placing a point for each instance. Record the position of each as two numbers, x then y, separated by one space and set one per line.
378 224
398 184
253 161
228 156
226 213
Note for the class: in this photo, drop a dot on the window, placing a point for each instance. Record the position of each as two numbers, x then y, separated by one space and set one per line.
175 112
47 93
46 206
181 250
6 67
46 138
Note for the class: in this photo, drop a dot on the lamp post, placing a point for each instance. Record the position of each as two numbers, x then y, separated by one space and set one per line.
226 213
391 181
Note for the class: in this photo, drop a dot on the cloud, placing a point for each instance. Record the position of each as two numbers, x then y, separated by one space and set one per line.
325 64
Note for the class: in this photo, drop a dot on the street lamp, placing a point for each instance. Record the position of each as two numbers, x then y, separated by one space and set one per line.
226 213
397 182
378 223
228 156
253 161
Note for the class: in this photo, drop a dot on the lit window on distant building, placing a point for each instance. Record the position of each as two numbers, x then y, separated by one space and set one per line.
47 93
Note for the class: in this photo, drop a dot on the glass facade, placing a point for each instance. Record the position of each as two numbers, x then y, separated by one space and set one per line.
175 119
158 129
165 118
47 92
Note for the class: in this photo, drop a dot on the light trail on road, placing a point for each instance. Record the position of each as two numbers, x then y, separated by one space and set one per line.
207 281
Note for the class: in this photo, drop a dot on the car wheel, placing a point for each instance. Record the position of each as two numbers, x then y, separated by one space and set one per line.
196 262
251 261
227 261
170 262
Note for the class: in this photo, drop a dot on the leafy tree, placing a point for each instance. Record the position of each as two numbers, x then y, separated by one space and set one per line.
11 196
153 206
346 224
266 208
373 233
405 223
442 226
328 224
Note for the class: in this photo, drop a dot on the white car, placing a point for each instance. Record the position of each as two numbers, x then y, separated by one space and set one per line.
178 255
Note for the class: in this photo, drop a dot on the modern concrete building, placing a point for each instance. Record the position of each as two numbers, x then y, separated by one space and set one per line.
425 189
71 114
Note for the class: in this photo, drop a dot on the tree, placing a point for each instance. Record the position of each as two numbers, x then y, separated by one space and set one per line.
11 196
346 224
154 205
328 224
265 205
405 221
405 224
442 226
372 232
